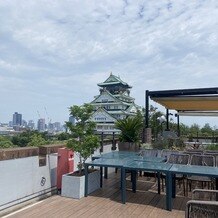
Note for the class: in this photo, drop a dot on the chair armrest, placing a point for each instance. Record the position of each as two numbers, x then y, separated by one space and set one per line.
196 208
205 194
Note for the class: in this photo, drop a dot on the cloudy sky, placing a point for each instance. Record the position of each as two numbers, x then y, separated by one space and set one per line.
54 52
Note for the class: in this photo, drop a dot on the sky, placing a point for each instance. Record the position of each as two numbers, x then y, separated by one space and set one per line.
54 52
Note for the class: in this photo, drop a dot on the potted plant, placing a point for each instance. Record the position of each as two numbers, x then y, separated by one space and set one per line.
83 142
130 132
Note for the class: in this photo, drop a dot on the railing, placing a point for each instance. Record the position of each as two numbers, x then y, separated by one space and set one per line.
108 138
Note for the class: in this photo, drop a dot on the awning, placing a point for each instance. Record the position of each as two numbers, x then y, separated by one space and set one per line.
198 113
189 103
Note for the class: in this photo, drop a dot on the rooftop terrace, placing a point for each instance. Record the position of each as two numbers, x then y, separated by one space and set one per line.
106 202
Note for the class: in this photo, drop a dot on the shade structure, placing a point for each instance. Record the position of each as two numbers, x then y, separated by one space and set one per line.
198 113
189 103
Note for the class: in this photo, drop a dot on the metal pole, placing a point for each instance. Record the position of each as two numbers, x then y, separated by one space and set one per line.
113 142
147 109
102 142
178 126
146 120
167 117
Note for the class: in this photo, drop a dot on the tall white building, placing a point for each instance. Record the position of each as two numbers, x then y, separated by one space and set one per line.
41 125
114 102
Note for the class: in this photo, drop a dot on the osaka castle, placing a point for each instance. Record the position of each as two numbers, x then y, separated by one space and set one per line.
112 103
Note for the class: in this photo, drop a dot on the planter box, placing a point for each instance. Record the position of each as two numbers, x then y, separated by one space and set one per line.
74 186
128 146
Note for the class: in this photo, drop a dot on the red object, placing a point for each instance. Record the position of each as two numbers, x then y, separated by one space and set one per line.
65 164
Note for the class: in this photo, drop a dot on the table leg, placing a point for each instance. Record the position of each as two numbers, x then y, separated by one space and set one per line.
168 191
173 186
105 172
101 175
158 182
217 188
86 180
134 177
123 185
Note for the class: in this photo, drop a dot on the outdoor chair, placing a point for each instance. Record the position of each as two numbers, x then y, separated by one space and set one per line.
204 204
166 153
193 152
149 153
201 160
199 151
214 154
177 159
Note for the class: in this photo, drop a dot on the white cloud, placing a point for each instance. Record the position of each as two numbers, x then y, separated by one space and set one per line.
57 51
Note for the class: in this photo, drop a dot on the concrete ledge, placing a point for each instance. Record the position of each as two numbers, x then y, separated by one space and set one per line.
22 152
14 153
49 149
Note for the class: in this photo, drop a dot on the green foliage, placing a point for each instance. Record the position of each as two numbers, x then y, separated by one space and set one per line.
169 143
206 129
30 138
63 136
36 140
82 135
5 142
155 125
130 128
212 147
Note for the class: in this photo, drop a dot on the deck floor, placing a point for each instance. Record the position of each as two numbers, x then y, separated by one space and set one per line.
106 202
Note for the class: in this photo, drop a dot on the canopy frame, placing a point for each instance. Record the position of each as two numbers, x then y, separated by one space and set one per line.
198 94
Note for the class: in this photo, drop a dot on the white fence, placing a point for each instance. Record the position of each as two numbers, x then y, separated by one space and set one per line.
23 179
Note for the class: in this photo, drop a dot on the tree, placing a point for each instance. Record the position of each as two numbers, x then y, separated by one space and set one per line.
156 126
36 140
83 141
5 142
206 129
130 128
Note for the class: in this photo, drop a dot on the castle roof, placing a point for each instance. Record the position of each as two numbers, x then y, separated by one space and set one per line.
114 80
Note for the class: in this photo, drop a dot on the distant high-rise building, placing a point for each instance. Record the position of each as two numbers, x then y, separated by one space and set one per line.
17 119
57 126
10 124
41 125
72 120
24 123
31 124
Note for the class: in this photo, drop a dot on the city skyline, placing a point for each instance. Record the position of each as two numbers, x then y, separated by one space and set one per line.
54 53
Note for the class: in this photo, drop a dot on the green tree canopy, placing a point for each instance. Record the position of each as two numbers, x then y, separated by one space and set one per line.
82 138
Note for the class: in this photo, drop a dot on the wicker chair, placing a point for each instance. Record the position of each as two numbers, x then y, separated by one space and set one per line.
193 152
200 160
214 154
203 205
166 153
149 153
178 159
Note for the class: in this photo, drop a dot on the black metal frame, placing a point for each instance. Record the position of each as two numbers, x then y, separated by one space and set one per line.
174 93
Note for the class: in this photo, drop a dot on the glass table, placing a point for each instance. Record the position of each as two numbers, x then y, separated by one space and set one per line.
146 166
188 170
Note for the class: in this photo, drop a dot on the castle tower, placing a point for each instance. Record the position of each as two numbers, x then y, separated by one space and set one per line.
113 103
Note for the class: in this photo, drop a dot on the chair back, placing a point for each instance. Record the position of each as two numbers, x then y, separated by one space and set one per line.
191 151
203 160
179 159
166 153
149 152
214 154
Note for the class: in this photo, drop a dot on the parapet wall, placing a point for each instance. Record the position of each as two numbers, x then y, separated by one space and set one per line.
23 178
22 152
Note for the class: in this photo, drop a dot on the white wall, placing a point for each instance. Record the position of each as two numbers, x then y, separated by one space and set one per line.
20 179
